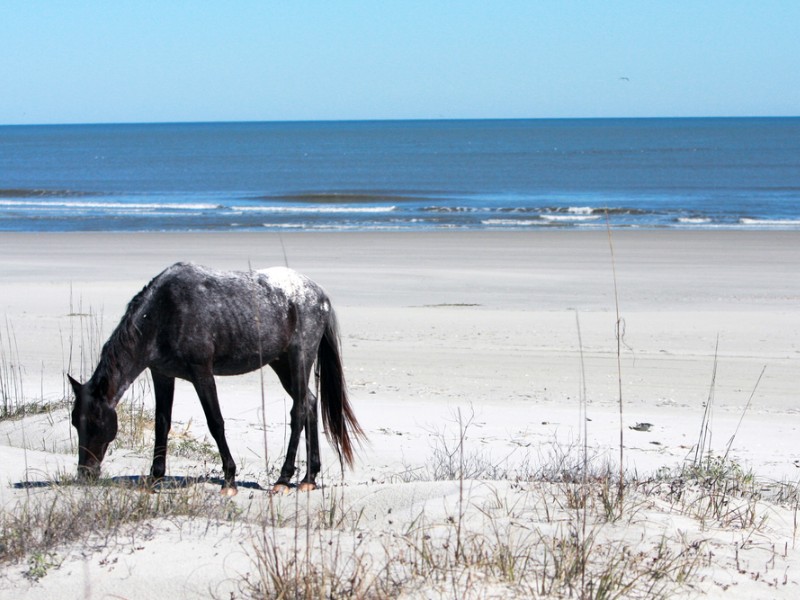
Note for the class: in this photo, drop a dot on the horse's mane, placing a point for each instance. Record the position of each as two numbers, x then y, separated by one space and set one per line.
120 347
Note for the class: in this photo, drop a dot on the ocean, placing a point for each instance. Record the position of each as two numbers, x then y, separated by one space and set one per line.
729 173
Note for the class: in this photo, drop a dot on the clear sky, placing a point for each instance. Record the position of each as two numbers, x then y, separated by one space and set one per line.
79 61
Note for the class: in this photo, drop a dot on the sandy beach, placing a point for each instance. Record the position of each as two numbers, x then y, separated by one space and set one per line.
491 330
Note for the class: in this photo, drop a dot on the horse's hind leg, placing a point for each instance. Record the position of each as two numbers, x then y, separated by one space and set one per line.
294 375
164 388
206 390
312 443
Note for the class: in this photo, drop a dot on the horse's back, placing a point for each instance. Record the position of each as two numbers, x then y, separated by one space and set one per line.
233 317
292 284
244 291
297 287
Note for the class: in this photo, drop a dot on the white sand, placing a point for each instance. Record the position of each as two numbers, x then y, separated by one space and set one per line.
433 326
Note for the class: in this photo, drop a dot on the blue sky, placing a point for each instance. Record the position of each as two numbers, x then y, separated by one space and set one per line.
113 61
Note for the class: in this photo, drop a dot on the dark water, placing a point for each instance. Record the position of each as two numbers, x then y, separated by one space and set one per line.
652 173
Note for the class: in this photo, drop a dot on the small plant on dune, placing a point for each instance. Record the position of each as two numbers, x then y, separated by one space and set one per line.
182 443
329 560
36 407
136 420
451 458
11 375
719 490
325 571
710 486
39 564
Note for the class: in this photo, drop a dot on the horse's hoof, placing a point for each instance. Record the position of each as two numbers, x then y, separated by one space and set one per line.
280 489
307 487
228 492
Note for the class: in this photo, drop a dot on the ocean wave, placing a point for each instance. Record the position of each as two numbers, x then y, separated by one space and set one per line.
454 209
315 209
126 206
41 193
52 210
621 210
569 218
570 210
368 197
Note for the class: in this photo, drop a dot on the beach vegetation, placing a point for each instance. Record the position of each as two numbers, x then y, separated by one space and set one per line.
39 564
12 402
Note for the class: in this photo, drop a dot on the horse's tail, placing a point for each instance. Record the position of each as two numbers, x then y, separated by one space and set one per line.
340 423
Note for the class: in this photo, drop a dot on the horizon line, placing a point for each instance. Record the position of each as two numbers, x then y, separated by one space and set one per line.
391 120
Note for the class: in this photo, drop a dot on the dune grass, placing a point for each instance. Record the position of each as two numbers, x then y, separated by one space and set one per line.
556 526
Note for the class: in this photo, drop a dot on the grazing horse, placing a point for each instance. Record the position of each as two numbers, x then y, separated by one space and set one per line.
194 323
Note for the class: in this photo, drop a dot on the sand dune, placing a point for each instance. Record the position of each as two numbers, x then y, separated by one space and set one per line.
446 336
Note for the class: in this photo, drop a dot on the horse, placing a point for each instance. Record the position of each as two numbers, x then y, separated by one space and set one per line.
194 323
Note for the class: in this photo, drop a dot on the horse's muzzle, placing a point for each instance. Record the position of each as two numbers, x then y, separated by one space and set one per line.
88 473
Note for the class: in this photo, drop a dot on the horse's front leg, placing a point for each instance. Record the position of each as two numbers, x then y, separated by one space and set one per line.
206 390
164 388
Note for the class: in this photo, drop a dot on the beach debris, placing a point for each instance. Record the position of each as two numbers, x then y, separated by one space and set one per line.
641 427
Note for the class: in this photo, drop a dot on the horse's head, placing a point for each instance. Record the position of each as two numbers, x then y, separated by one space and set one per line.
96 423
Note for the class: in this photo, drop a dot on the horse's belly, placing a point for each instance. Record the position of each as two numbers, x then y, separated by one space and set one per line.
226 367
244 358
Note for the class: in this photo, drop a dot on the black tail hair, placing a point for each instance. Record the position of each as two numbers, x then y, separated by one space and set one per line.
340 423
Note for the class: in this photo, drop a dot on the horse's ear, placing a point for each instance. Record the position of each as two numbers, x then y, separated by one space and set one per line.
76 386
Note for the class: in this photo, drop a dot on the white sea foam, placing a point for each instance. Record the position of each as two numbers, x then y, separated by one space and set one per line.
694 220
130 206
770 222
316 209
569 218
510 222
580 210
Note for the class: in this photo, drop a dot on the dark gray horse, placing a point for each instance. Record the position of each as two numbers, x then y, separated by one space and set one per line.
194 323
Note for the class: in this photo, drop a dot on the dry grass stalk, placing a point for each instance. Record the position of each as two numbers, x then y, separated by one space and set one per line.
618 330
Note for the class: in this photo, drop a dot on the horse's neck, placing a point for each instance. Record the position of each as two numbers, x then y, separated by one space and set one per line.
113 376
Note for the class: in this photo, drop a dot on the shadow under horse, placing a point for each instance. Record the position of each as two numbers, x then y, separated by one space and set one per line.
194 323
